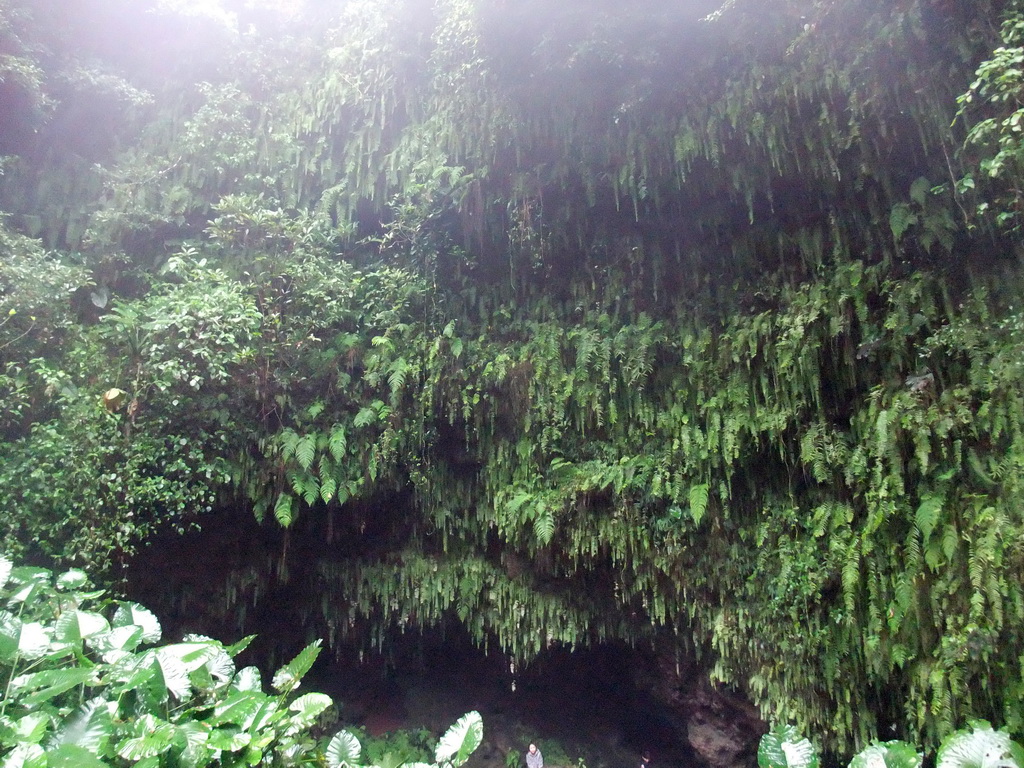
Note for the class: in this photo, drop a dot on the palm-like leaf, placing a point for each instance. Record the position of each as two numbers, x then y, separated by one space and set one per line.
288 677
461 740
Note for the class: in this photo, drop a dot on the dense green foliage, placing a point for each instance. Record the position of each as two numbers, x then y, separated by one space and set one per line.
638 320
972 747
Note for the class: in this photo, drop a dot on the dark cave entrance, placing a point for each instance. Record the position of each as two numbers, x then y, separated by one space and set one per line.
576 705
604 705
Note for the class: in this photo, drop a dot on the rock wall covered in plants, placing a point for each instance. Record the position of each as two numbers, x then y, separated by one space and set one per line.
634 321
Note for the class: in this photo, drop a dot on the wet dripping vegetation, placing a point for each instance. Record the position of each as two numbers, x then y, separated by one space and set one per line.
449 375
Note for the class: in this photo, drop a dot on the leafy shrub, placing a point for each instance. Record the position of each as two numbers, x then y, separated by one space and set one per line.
87 686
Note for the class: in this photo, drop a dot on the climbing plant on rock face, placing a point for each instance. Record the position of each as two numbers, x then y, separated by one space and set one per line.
630 322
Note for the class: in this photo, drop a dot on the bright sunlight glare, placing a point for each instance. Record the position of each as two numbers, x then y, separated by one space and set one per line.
225 10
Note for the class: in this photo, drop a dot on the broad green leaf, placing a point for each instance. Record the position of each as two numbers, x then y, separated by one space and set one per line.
118 641
174 673
90 728
228 739
394 760
73 756
195 753
25 756
288 677
5 571
31 728
307 708
72 579
343 750
75 626
51 682
196 651
891 754
784 747
133 614
459 742
248 679
268 713
220 666
130 672
236 708
26 581
34 640
979 747
151 737
10 635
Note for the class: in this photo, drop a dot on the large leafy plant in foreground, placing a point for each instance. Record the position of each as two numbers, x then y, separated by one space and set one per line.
87 686
978 746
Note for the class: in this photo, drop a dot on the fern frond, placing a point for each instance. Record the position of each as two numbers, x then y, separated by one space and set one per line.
543 523
927 515
396 377
515 504
328 487
284 511
305 451
337 443
289 440
366 416
698 502
851 577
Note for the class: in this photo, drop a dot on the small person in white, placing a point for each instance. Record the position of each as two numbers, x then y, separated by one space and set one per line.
534 759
